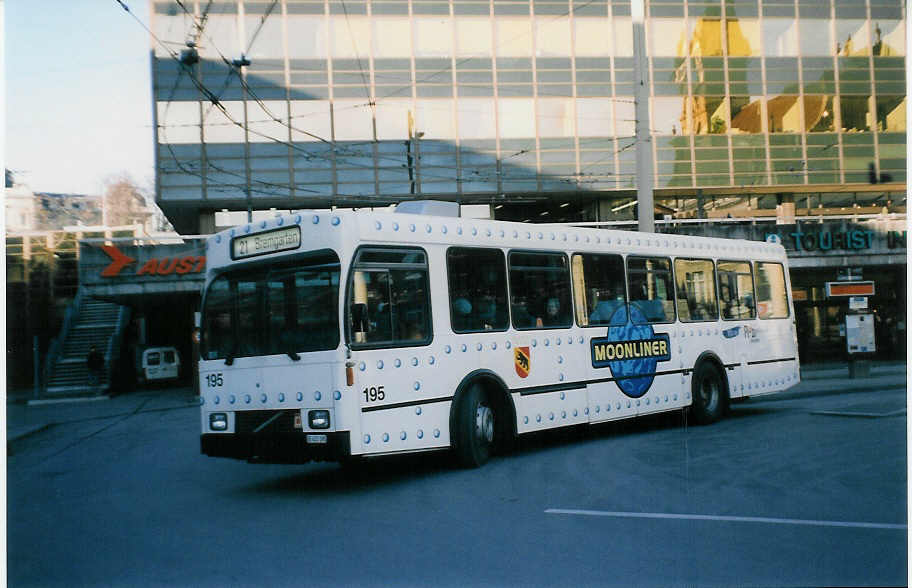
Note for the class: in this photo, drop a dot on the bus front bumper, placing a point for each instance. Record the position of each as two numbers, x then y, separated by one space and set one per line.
299 447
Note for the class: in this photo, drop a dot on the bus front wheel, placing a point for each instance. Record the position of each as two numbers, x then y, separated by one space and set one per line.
474 427
708 394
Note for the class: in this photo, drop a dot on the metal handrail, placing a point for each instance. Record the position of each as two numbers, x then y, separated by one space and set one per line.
55 346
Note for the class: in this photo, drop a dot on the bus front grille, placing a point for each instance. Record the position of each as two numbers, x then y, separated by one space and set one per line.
265 421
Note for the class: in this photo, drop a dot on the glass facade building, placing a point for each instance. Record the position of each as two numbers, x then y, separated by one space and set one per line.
307 103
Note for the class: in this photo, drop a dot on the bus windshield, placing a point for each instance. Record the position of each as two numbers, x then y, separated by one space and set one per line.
269 310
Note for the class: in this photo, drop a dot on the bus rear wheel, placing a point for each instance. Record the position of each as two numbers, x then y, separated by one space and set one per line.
708 394
474 427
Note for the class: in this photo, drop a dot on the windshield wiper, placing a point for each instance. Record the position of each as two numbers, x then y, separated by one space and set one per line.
294 356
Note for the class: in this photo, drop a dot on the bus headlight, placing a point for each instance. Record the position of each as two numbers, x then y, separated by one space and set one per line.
318 419
218 421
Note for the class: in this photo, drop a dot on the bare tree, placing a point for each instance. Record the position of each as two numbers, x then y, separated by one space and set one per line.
124 203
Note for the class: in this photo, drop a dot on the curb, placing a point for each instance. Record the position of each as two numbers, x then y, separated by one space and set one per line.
25 432
73 400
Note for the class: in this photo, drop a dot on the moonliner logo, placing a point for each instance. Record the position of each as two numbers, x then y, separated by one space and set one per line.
631 350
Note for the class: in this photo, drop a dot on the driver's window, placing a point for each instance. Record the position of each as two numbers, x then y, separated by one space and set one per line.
389 298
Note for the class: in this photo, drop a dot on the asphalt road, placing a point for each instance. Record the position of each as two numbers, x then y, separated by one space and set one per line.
777 494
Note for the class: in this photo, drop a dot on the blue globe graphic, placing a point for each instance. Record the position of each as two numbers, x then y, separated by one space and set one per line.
629 331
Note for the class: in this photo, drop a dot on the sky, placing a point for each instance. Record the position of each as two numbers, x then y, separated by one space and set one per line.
78 94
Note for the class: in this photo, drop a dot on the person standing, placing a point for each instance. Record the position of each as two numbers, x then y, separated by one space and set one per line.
95 362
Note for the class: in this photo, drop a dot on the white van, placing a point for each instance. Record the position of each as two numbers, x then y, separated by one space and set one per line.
159 363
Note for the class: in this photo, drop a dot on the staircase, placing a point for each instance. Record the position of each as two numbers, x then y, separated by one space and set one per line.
89 322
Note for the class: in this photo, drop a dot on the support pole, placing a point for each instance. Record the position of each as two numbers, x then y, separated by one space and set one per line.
644 165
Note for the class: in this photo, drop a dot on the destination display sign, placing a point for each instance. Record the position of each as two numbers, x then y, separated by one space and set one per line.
263 243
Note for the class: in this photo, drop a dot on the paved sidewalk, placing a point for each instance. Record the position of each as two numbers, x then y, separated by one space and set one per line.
27 419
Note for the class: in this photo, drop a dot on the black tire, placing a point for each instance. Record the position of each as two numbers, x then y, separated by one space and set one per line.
473 427
709 395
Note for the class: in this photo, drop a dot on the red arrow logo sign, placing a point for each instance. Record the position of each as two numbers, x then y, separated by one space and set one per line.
118 261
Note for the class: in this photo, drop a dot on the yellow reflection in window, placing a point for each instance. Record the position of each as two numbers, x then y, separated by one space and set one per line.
706 40
889 38
744 37
818 114
891 113
784 114
710 115
747 114
852 38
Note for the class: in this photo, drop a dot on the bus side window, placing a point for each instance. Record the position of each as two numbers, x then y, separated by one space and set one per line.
651 290
736 290
696 288
540 290
478 289
389 300
772 299
599 289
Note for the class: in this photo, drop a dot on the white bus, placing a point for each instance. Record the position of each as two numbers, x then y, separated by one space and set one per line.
332 335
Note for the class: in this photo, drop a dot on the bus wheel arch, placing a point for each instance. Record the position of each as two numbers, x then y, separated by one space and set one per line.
482 418
710 389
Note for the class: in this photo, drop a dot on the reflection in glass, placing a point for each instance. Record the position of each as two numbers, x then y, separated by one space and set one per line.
473 37
433 37
590 39
476 118
178 122
309 38
669 116
818 114
623 37
747 114
513 37
710 115
392 37
516 117
391 116
555 117
784 114
552 37
351 37
706 40
625 121
594 117
780 37
856 115
889 38
667 37
744 38
352 119
891 113
816 37
269 41
852 38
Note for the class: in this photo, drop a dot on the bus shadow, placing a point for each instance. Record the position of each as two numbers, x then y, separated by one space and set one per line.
335 478
332 478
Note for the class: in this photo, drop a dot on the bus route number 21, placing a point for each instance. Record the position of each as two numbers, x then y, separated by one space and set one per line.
373 394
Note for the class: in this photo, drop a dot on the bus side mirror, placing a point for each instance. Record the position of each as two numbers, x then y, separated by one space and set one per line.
359 317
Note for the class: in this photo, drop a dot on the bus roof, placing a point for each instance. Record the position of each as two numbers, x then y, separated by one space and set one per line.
320 229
